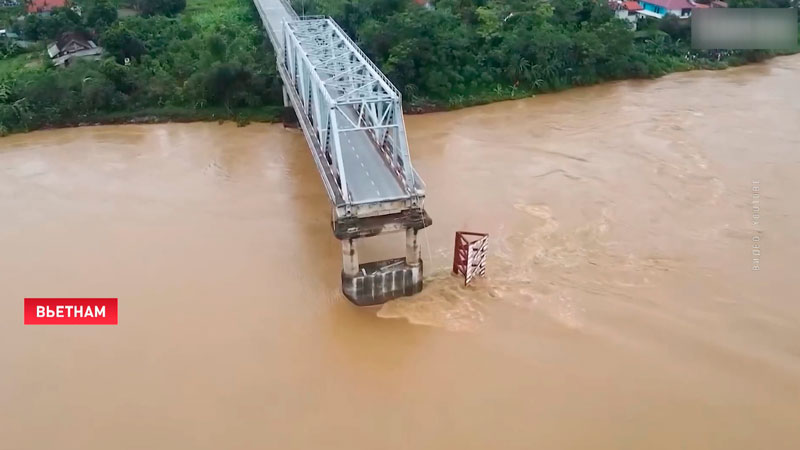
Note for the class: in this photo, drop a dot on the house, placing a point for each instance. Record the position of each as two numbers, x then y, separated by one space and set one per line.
680 8
72 45
660 8
626 10
10 35
632 10
45 6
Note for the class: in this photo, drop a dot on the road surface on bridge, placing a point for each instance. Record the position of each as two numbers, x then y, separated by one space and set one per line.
274 13
369 177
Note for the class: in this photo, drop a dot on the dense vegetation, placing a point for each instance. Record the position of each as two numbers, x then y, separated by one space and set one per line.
206 59
470 51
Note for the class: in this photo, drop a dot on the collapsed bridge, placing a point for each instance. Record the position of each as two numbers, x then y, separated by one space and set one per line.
352 118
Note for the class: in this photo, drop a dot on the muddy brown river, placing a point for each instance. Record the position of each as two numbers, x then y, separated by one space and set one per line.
621 308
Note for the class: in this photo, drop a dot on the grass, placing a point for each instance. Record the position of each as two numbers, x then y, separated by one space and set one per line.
212 13
11 65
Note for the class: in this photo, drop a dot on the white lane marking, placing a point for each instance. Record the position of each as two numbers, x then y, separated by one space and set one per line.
372 181
368 173
378 192
362 164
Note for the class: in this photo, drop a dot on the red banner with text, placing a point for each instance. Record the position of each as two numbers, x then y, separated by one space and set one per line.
70 311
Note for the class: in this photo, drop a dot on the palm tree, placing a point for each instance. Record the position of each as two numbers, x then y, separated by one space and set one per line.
498 90
5 91
411 90
21 109
524 66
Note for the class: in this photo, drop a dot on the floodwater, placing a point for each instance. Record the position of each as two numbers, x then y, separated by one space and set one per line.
620 311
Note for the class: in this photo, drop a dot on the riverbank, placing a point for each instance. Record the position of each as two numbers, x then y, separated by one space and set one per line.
212 61
241 117
272 114
423 106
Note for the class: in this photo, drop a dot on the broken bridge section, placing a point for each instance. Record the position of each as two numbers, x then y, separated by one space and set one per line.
352 119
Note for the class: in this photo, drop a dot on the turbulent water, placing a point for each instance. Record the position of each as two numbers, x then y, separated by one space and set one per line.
621 307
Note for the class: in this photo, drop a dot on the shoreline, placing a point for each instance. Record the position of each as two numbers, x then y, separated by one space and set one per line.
489 98
241 117
272 114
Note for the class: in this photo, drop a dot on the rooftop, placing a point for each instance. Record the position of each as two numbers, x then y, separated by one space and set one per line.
69 36
670 5
45 5
631 6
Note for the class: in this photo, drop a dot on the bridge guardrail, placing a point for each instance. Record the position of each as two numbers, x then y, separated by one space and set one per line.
379 199
289 8
366 59
357 49
414 189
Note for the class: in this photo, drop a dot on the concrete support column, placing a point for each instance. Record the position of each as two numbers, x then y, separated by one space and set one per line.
413 254
349 257
288 117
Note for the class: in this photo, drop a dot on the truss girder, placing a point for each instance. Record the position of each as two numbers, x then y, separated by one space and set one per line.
341 92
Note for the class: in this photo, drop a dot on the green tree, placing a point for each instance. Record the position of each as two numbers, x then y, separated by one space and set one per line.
217 47
59 21
31 27
675 27
227 84
121 42
163 7
101 13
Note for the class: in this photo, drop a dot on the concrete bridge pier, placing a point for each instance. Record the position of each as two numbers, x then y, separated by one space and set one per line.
288 116
350 266
413 253
376 282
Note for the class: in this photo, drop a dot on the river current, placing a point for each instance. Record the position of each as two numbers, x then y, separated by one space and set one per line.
621 308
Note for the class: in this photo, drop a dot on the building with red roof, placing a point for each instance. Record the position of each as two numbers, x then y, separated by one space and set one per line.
45 6
631 10
631 6
626 10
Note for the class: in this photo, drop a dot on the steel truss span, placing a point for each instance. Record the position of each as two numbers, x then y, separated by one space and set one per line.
353 118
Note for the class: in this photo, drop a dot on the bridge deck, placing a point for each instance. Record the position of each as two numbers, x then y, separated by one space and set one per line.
273 14
369 178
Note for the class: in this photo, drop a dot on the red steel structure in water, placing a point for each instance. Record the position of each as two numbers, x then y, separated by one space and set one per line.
469 254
